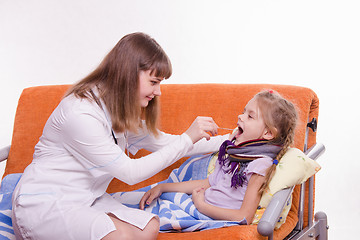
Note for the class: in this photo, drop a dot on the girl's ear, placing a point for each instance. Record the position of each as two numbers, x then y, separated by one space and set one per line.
268 134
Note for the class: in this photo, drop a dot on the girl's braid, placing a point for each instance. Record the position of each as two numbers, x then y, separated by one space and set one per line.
281 117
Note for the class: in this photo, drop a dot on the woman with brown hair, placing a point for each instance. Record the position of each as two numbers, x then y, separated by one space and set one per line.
62 193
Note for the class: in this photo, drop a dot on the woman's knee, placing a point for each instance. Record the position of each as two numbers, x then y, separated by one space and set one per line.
126 231
152 228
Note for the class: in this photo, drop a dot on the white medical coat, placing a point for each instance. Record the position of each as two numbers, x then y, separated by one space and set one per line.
62 193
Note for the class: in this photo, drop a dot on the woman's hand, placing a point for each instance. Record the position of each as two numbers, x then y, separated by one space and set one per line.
202 127
149 196
198 197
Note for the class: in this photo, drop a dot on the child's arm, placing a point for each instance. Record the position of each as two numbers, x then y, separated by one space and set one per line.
185 187
247 210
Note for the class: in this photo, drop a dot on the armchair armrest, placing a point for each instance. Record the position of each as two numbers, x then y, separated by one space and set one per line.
271 215
4 153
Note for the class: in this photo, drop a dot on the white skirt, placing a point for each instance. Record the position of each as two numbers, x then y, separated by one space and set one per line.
48 220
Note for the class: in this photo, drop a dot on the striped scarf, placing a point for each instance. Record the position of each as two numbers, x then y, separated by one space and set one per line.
238 157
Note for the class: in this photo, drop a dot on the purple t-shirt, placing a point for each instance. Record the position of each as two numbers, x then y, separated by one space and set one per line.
221 194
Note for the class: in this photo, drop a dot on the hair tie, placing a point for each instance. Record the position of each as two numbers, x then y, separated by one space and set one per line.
275 161
271 91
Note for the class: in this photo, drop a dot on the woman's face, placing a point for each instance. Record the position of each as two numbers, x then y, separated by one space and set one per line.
149 87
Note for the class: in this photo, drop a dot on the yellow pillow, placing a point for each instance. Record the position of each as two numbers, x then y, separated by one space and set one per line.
293 168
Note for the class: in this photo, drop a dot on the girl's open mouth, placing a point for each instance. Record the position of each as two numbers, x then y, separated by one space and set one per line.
240 131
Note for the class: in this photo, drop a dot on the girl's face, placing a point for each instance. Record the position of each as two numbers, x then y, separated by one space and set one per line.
251 125
149 87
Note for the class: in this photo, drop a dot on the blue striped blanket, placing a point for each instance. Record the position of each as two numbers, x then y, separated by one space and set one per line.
175 210
7 187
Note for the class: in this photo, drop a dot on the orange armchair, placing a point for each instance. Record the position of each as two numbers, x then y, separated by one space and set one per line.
180 104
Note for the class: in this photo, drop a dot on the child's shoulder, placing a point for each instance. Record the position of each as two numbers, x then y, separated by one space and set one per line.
259 165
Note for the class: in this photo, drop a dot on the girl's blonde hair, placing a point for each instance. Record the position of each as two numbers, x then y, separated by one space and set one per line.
280 116
117 78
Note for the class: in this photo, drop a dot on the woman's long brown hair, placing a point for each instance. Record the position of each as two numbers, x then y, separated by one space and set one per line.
117 79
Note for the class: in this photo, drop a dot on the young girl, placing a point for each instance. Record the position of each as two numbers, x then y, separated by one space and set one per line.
61 194
245 164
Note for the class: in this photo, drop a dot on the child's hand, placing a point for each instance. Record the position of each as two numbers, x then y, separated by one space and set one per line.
149 196
198 197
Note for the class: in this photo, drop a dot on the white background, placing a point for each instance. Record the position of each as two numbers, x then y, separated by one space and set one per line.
315 44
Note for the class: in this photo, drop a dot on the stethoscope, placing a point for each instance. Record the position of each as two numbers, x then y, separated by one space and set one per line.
100 105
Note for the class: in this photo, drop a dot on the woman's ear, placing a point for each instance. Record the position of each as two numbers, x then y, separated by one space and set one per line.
268 134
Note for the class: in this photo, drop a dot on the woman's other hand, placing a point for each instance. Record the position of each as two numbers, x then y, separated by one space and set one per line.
202 127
